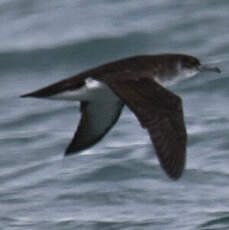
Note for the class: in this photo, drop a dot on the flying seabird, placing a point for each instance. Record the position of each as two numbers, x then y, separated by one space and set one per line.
138 82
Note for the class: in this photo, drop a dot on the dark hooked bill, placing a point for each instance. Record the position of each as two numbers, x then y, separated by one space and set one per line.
209 68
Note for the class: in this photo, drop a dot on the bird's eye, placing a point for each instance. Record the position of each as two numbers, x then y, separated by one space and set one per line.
188 65
191 63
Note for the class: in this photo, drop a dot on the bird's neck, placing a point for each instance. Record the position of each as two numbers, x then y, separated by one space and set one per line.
175 76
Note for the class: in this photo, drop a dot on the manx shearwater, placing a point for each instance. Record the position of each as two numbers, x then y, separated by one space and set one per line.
138 82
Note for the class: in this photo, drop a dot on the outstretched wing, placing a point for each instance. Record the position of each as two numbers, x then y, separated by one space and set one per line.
160 112
97 118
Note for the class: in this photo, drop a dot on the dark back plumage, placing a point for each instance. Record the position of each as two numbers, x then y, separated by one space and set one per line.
132 82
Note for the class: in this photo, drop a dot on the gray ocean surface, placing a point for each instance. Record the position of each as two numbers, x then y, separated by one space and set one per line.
117 184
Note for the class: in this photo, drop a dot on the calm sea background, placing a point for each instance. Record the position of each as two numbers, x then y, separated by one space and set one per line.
117 184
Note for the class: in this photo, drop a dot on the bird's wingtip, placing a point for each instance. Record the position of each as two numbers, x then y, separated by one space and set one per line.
175 177
25 95
175 174
68 153
71 150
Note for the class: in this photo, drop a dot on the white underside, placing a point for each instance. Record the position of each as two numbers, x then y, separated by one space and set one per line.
93 90
100 113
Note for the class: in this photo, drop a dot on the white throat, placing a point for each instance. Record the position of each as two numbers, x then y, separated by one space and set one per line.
183 74
187 73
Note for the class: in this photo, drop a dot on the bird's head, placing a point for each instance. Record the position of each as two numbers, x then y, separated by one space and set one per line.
189 66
